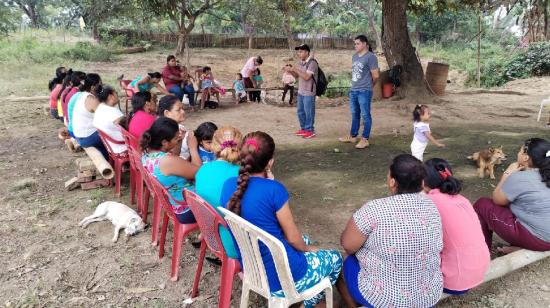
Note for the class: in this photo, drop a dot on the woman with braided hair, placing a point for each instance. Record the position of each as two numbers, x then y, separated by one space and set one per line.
263 201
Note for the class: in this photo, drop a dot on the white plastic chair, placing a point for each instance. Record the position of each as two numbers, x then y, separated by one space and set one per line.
254 276
543 103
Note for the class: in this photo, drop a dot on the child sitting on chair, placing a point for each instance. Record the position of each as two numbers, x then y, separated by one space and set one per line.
209 86
238 86
204 134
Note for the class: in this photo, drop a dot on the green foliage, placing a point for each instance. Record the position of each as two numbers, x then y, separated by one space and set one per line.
535 61
339 85
29 50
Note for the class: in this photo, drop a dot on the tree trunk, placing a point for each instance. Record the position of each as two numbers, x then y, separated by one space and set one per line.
372 24
398 48
182 40
287 25
95 32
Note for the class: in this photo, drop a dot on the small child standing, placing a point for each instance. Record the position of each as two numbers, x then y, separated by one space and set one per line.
204 134
288 84
238 86
257 80
422 132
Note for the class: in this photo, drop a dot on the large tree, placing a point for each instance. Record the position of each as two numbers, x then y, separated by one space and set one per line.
183 13
398 48
31 8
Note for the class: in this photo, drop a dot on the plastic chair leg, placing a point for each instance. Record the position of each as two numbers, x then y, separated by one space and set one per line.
156 222
118 177
229 269
244 295
145 205
133 190
163 235
176 250
199 269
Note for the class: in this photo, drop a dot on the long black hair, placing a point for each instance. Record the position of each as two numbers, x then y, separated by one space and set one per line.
408 172
167 103
538 150
439 174
156 75
162 129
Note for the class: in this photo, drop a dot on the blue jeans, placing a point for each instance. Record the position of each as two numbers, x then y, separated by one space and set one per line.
306 112
93 141
179 92
359 104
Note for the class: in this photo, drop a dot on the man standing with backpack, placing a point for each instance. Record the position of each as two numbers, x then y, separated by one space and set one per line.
307 73
364 74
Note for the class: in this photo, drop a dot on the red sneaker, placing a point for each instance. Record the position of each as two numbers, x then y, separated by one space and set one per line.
300 132
308 135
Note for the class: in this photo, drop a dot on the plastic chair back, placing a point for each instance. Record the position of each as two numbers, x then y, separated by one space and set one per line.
209 221
125 85
107 141
248 237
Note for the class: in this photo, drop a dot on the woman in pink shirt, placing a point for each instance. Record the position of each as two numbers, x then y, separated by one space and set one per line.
144 113
465 256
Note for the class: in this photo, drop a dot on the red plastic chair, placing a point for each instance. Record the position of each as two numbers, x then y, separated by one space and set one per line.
143 191
209 221
125 85
180 230
116 159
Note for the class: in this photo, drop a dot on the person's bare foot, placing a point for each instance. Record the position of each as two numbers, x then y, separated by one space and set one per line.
507 249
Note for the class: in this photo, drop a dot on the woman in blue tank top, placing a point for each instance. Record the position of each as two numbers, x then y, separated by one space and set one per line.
147 83
172 171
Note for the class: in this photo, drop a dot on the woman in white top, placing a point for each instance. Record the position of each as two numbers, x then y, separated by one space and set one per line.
107 117
83 115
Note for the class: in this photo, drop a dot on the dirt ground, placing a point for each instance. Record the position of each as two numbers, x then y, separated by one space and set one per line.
48 261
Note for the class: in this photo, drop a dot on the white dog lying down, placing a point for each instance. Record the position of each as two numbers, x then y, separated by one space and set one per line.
119 214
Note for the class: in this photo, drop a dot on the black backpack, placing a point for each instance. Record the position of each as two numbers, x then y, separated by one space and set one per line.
321 83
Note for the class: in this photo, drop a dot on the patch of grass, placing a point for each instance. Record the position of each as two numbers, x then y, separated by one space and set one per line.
24 184
98 195
29 299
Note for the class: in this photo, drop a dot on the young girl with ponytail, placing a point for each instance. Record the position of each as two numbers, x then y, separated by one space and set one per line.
519 211
263 201
172 171
465 256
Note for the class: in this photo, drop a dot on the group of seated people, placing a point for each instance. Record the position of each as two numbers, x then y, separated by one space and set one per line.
402 251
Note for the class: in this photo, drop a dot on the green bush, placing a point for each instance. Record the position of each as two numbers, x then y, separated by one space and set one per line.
535 61
338 85
30 50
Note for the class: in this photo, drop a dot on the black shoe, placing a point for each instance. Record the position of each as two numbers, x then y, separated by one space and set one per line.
214 261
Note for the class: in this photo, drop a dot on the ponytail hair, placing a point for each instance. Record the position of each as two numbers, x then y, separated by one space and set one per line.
418 111
226 143
439 175
363 38
408 172
162 129
103 92
58 79
138 102
167 103
538 150
256 152
91 80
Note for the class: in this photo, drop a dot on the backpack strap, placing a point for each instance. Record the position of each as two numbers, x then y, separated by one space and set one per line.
313 76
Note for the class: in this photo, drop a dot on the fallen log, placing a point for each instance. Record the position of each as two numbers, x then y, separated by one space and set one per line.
130 50
506 264
26 99
104 168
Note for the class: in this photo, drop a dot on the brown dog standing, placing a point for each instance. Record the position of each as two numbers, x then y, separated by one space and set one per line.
487 159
